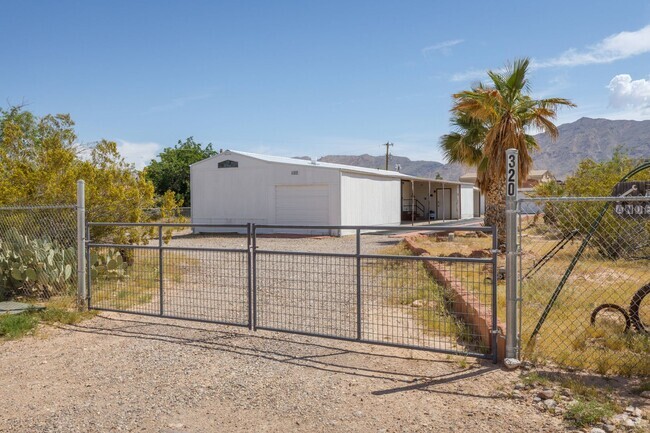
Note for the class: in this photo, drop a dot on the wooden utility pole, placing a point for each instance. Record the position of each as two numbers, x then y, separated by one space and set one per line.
388 145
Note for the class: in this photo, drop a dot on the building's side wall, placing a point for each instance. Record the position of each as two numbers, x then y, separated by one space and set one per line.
247 193
369 200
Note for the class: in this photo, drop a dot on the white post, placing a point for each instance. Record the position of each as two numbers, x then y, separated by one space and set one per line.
81 244
512 185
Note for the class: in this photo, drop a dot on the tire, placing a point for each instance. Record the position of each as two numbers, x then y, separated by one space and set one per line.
615 307
635 305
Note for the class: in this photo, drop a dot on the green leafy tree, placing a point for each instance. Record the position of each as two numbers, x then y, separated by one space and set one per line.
489 119
615 237
172 172
40 162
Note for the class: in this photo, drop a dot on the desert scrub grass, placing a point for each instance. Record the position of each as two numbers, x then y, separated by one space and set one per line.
408 285
587 413
58 310
14 326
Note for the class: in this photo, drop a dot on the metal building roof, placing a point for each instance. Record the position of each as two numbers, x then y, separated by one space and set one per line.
329 165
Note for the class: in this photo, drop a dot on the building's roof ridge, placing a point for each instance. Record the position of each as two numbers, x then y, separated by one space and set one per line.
331 165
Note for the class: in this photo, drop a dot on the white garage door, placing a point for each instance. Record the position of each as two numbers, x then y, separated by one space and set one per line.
302 204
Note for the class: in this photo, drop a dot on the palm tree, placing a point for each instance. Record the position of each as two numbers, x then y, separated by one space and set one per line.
490 118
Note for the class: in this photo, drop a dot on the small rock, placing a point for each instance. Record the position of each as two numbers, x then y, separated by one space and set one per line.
619 419
596 430
637 412
629 423
609 428
520 385
566 392
418 303
546 394
630 409
537 399
645 394
358 414
550 403
517 395
511 363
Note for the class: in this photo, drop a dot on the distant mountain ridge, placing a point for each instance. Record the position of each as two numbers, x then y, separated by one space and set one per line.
585 138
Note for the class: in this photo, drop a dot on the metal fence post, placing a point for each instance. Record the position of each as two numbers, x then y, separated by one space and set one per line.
249 274
512 185
161 273
81 244
254 282
359 331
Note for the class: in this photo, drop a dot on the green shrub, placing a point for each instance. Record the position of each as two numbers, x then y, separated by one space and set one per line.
14 326
586 413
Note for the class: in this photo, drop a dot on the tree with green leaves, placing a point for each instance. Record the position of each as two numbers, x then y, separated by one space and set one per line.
490 118
41 161
172 172
614 237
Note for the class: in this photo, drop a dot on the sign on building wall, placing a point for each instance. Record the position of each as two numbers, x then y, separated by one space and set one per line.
632 209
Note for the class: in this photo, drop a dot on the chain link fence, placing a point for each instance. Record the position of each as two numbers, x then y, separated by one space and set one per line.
584 283
38 251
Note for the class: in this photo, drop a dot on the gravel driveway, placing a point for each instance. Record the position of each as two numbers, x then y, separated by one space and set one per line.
121 372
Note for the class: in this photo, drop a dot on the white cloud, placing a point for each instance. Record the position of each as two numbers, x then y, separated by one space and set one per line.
139 154
614 47
627 93
444 47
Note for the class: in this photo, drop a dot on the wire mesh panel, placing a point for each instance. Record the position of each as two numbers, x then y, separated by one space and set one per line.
176 274
124 278
207 285
38 251
313 294
443 304
584 280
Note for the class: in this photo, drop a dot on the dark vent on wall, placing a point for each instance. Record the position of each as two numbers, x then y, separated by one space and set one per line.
228 164
294 173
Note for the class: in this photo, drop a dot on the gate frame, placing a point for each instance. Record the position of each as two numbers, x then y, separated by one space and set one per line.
250 230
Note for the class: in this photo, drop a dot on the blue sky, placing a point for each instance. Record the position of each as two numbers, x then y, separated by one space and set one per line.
309 77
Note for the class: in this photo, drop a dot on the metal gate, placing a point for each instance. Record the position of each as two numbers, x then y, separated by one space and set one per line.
365 287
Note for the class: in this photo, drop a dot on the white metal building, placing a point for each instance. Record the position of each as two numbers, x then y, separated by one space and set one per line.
239 187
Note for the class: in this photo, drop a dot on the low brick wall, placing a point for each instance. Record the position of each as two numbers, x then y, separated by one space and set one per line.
465 304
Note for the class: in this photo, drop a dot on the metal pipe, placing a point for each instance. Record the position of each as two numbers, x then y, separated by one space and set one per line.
512 182
359 330
81 244
160 267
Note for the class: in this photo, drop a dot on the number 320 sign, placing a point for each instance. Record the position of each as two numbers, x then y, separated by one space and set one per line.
511 173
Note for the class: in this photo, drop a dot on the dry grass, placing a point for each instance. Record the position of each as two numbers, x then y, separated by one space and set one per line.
567 336
140 284
409 284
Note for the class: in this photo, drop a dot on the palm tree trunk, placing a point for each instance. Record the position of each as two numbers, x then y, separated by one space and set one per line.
495 207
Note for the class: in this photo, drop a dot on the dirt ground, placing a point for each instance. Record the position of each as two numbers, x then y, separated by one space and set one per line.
120 372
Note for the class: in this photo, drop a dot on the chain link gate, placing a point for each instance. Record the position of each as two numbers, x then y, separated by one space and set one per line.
378 297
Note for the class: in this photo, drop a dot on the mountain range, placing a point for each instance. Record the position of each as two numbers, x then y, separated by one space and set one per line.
586 138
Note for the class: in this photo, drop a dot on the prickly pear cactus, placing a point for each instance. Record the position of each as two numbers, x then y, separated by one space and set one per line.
35 267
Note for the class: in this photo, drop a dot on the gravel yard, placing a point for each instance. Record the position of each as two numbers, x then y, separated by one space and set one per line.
121 372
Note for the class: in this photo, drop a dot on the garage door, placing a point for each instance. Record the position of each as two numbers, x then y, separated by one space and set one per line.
302 204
